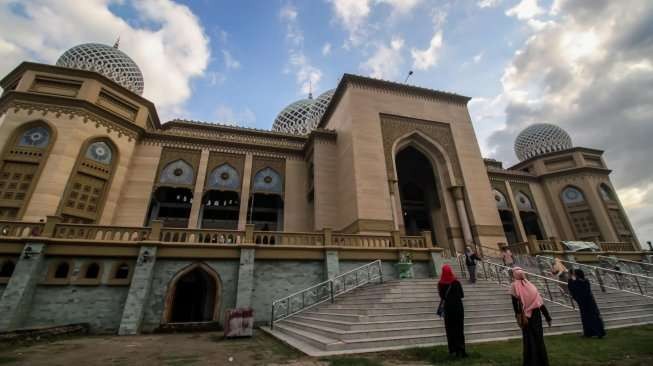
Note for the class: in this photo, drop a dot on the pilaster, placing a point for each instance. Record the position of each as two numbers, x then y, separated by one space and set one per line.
245 278
139 291
194 219
332 263
244 192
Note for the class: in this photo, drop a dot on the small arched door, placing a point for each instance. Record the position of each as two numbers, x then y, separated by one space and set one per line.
193 296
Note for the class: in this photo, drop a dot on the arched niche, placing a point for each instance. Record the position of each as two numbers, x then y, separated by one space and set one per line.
506 215
528 215
581 217
221 200
266 205
194 294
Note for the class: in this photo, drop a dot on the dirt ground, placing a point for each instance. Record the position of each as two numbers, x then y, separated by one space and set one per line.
166 349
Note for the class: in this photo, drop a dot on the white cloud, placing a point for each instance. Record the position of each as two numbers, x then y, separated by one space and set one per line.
488 3
526 9
226 115
427 58
168 43
326 49
401 6
215 78
386 61
229 61
476 59
307 76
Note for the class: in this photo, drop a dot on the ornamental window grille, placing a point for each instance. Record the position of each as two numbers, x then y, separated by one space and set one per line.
580 214
524 202
224 177
267 180
500 199
177 172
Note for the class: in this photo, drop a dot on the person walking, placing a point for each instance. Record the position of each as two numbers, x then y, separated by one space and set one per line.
451 307
580 290
529 309
507 257
470 261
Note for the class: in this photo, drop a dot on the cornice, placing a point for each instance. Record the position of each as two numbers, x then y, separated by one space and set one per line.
522 164
70 108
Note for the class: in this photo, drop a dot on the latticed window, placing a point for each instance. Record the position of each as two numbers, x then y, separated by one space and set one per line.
89 183
267 180
580 214
21 161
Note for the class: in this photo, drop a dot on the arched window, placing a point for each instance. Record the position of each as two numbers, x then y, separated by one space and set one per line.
89 184
224 177
122 271
92 271
500 199
22 160
177 172
265 208
7 268
616 214
606 193
528 215
524 202
62 270
267 180
580 214
506 216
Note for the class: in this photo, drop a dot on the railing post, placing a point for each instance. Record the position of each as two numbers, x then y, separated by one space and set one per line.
428 242
272 317
600 279
249 234
50 226
557 244
333 298
396 239
328 236
155 234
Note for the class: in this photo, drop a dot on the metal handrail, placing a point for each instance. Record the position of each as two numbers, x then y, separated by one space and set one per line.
325 291
632 283
647 268
552 290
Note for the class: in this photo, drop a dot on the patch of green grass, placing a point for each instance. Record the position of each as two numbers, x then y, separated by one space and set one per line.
353 361
7 359
180 360
626 346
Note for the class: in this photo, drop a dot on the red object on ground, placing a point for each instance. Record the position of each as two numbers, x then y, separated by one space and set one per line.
239 323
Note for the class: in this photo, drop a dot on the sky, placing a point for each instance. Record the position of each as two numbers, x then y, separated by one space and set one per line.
585 65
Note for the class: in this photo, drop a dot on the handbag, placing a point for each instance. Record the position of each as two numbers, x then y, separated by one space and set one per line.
440 310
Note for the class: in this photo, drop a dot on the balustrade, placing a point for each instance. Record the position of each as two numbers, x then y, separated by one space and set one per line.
363 241
21 229
616 246
96 232
202 236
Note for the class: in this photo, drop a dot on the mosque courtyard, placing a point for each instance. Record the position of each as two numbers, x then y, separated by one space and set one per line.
627 347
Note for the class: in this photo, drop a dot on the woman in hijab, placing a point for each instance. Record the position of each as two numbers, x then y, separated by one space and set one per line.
561 273
580 290
451 295
529 308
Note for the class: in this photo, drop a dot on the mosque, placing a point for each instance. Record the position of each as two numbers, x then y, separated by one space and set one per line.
111 217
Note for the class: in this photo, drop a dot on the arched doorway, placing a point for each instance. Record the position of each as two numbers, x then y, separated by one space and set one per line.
193 296
420 203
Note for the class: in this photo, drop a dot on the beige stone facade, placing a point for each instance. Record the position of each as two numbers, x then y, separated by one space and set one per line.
343 176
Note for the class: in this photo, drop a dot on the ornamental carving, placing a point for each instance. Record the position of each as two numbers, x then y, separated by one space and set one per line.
393 127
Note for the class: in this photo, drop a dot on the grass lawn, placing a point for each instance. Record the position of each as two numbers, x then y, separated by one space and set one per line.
627 346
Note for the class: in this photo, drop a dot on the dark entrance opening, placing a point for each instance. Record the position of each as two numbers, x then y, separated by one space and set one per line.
194 298
417 191
531 224
508 222
266 212
220 210
172 206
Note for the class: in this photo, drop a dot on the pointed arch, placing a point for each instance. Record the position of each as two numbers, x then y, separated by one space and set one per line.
224 177
23 158
440 160
267 180
178 172
171 292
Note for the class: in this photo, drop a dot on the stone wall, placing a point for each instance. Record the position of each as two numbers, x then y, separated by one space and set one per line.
100 306
165 270
420 269
276 279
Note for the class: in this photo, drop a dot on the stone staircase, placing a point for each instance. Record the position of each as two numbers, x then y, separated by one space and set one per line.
401 314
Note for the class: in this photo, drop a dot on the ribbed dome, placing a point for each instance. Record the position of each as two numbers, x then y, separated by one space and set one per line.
541 138
106 60
292 119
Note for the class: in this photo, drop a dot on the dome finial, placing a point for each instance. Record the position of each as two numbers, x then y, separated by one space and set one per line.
310 89
117 44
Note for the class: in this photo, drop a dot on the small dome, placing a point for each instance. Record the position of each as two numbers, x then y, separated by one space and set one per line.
541 138
106 60
293 118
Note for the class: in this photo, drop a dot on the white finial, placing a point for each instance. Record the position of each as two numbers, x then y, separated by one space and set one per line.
117 44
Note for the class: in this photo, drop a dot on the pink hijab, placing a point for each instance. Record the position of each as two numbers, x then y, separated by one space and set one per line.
525 291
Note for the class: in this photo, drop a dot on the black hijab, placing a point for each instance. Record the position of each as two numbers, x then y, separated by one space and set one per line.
580 275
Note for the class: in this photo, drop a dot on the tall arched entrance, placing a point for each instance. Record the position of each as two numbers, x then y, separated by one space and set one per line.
420 204
193 296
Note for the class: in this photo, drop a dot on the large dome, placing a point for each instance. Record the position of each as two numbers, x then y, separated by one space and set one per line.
106 60
541 138
303 115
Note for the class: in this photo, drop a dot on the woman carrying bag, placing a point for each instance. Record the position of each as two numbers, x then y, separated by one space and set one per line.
451 307
529 308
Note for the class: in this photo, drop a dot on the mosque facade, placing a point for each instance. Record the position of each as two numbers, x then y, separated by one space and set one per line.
112 217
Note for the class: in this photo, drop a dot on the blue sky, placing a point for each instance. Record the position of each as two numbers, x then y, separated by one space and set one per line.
585 65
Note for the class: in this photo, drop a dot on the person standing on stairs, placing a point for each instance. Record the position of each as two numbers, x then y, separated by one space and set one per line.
451 307
590 315
529 308
470 261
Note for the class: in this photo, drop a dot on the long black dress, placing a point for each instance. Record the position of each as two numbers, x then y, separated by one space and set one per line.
533 336
454 317
589 312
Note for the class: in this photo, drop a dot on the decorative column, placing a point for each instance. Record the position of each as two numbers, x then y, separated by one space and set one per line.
194 219
17 296
244 192
459 197
515 212
393 185
139 291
